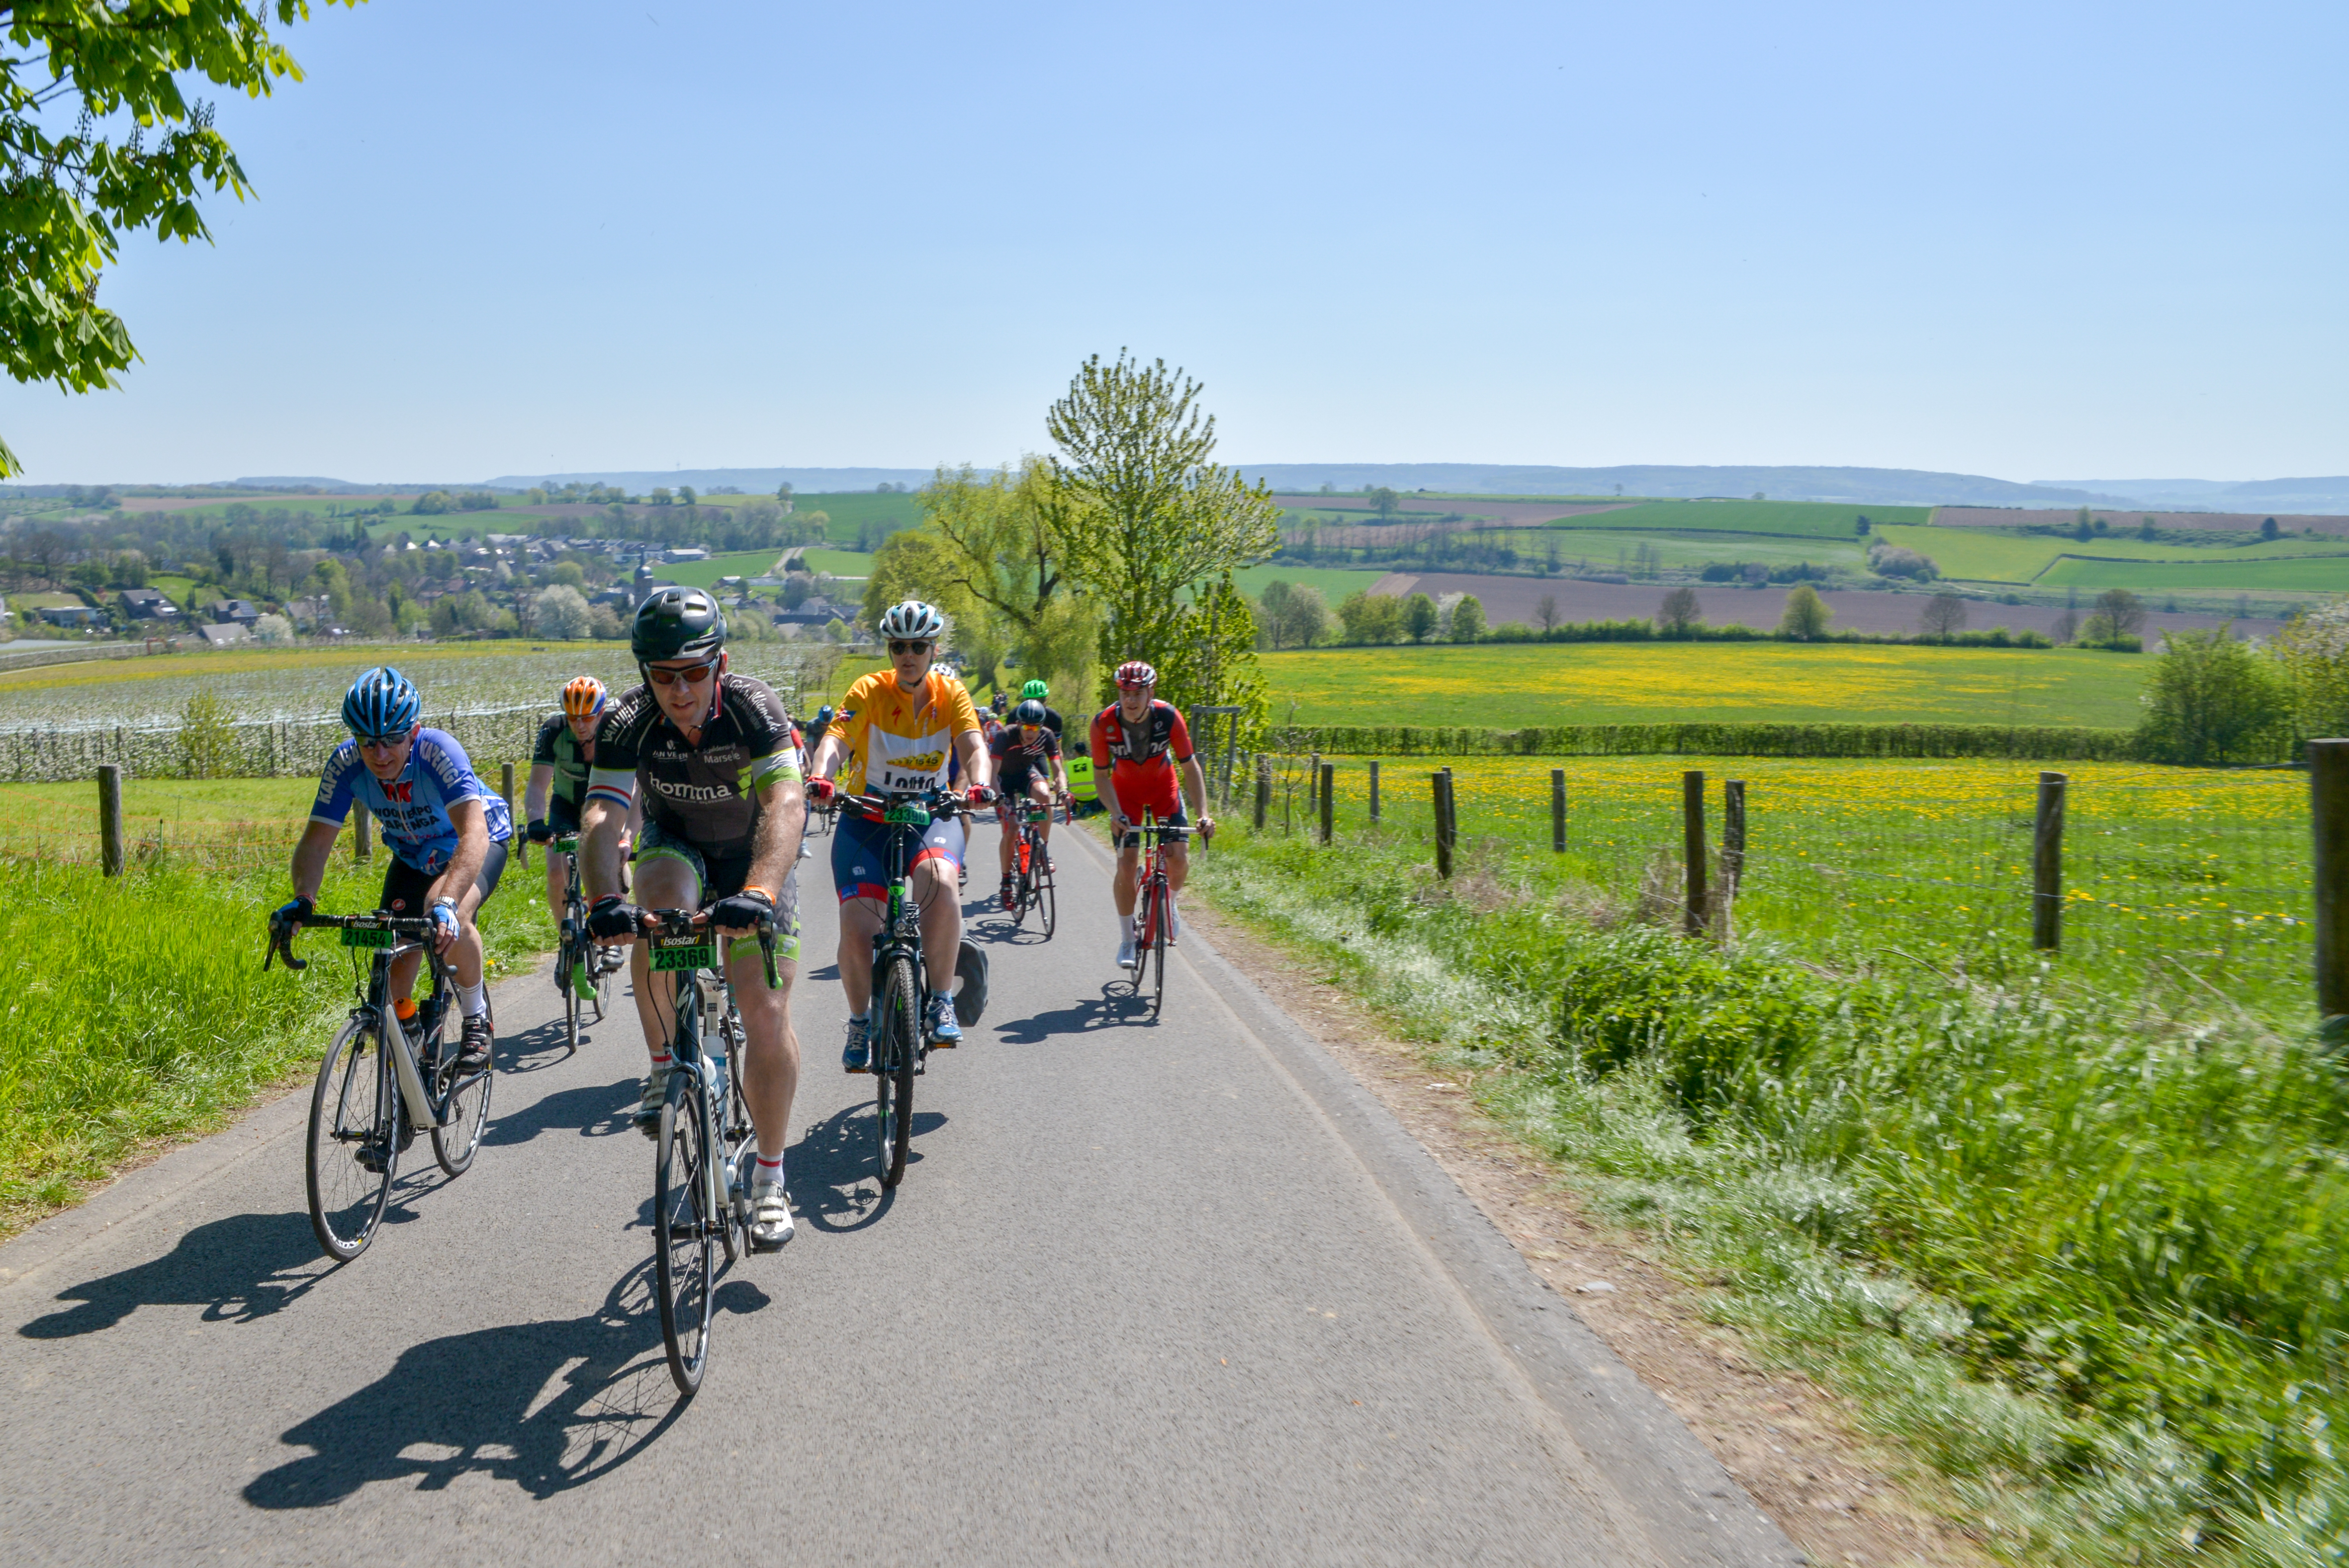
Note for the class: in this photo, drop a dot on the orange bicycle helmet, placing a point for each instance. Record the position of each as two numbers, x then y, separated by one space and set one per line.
583 698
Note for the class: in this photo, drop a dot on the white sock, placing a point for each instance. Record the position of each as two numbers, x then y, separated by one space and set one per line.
769 1171
474 999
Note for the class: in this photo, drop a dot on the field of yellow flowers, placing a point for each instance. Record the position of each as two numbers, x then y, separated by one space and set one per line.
2203 874
1513 685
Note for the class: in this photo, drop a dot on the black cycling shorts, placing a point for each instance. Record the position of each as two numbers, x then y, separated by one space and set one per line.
406 890
562 815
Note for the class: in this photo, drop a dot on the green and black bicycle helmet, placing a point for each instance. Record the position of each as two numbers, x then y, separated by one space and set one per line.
1035 691
677 623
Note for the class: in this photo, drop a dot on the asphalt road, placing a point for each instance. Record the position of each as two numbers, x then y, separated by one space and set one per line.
1175 1292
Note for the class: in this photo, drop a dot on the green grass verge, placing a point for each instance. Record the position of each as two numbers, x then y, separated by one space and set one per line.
1511 686
141 1011
1809 520
2074 1251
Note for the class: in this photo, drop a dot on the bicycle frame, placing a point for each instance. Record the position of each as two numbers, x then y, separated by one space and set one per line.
699 1010
371 1006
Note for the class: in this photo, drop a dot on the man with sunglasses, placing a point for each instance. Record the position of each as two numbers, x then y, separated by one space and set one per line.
711 755
447 834
1027 757
900 727
1143 740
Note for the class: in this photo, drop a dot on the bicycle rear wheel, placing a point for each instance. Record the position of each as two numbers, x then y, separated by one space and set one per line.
351 1109
565 959
683 1243
896 1040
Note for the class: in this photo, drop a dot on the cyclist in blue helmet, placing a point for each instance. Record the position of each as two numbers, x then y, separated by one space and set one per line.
447 834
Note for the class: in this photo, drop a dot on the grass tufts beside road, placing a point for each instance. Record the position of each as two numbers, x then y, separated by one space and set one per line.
2074 1251
139 1010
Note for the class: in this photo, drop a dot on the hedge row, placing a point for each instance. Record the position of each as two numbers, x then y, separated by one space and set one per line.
2046 743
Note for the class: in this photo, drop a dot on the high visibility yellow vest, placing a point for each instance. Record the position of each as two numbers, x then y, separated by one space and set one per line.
1080 778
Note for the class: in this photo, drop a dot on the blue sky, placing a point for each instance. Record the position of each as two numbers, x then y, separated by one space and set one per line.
2033 240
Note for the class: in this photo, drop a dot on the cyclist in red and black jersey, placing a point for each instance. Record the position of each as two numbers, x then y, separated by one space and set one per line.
1142 742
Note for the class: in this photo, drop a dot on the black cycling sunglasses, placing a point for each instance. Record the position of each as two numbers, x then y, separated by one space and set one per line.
909 646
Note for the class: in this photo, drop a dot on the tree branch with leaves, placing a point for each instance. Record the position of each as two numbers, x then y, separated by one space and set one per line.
70 198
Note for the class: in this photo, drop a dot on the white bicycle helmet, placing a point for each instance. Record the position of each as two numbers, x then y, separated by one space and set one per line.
913 619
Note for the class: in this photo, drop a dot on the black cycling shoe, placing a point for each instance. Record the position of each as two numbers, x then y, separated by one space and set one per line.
473 1054
370 1153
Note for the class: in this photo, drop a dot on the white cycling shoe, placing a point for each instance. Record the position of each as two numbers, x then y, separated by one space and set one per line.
771 1216
1125 949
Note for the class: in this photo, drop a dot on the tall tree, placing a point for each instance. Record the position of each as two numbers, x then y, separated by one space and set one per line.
1160 519
71 197
1944 615
1004 534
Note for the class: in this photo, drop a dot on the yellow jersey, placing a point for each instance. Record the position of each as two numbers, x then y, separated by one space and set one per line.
898 739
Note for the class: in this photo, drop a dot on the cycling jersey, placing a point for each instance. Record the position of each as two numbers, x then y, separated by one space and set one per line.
1142 757
414 807
559 748
1015 757
705 794
901 740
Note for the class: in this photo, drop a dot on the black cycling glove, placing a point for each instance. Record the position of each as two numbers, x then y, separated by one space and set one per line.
611 917
538 831
287 914
742 911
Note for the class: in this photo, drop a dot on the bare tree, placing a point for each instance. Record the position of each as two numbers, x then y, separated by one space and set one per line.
1944 613
1680 613
1545 612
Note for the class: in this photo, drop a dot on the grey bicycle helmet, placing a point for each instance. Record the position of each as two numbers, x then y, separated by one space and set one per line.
913 620
677 623
1029 712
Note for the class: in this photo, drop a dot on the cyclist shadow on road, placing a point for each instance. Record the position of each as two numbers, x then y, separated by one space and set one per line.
237 1269
592 1110
835 1169
546 1406
535 1049
1111 1006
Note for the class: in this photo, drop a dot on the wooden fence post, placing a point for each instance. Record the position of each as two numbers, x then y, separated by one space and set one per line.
2047 865
1328 788
1263 789
109 819
1374 788
1312 781
2328 786
1558 810
506 792
1692 850
1442 781
361 849
1732 836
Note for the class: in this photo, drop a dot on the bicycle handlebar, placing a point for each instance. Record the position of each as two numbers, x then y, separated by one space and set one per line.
281 935
683 921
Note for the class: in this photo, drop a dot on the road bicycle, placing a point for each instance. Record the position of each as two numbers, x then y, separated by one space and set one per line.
901 989
704 1144
1032 887
582 967
1154 899
381 1082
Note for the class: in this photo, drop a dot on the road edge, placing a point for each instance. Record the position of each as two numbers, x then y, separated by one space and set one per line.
1693 1510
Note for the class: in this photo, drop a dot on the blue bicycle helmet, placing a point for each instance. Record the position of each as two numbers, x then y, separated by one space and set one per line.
824 719
381 702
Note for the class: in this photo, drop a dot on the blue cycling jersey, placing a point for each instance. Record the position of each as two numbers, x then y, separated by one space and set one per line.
414 807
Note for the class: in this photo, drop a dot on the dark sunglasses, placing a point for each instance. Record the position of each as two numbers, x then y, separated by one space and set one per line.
908 645
381 742
692 675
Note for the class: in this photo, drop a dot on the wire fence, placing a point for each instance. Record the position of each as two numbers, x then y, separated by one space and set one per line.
2205 877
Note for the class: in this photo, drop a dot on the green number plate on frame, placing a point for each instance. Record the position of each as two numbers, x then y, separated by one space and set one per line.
684 953
368 937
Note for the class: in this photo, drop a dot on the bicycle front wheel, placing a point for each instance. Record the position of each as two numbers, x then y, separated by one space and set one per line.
1046 908
897 1045
350 1116
682 1240
564 962
1155 959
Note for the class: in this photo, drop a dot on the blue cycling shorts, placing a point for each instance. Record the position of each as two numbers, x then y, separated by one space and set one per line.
860 853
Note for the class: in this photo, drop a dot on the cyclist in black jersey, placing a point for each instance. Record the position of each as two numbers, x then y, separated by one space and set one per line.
1027 772
558 777
710 756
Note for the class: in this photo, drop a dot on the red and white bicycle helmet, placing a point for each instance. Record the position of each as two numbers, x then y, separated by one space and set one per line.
1135 672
